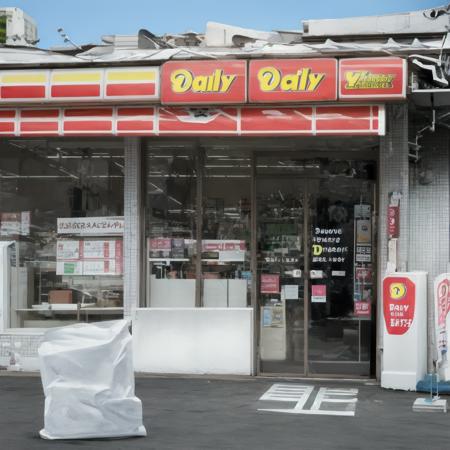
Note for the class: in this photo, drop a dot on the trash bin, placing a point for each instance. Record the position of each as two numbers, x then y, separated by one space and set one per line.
88 379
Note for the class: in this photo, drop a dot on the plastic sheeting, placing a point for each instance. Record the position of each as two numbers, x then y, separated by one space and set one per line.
88 379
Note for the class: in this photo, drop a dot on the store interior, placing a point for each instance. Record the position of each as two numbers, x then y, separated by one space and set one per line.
44 181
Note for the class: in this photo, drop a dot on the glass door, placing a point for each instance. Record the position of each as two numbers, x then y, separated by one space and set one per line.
315 265
342 268
281 227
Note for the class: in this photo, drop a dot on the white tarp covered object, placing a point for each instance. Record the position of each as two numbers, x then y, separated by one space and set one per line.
88 379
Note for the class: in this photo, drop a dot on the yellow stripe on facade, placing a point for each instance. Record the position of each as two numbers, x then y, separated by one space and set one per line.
74 77
17 78
140 75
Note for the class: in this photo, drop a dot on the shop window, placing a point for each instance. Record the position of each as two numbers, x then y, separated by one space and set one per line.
171 186
226 221
196 192
61 217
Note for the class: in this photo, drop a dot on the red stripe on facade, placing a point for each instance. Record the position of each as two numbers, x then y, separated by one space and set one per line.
276 119
88 125
88 112
135 125
74 90
22 92
206 120
135 111
7 127
41 113
38 126
130 89
9 114
343 119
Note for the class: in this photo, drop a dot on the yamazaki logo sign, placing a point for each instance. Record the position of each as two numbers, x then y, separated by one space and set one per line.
281 80
368 78
207 82
292 80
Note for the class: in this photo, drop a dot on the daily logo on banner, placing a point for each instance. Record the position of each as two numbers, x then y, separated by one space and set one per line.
204 82
292 80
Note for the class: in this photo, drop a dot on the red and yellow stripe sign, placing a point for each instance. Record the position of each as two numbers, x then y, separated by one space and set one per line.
132 83
79 85
23 85
76 84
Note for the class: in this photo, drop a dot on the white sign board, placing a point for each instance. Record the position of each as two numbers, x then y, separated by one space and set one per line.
98 226
442 321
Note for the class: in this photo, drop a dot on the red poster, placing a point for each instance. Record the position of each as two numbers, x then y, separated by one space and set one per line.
292 80
399 299
369 78
160 244
318 293
203 82
363 274
362 309
393 222
270 284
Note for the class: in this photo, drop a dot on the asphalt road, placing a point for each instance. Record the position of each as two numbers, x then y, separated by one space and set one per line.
217 414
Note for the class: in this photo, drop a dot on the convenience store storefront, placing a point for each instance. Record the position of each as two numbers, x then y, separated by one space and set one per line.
201 184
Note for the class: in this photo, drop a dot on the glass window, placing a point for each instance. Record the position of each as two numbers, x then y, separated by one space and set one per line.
226 228
171 186
61 210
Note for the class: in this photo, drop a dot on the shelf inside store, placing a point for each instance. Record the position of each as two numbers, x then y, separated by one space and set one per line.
91 310
219 262
168 260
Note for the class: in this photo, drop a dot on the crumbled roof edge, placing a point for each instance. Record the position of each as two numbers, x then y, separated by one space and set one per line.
223 41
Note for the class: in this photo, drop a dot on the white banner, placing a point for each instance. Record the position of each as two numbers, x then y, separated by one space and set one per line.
442 322
100 226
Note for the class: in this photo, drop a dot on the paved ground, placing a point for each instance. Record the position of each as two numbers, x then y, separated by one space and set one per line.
194 414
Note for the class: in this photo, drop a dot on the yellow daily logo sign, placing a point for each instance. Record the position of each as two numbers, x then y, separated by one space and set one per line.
183 80
271 79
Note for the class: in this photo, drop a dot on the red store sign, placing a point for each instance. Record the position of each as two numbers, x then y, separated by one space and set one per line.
203 82
292 80
399 299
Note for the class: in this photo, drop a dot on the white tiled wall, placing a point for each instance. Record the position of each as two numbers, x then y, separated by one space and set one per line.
132 242
429 216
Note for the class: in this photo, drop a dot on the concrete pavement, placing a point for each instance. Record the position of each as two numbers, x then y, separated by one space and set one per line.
220 414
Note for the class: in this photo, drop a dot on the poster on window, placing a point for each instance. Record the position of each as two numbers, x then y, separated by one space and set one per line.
270 283
15 224
89 257
318 293
328 246
101 267
100 249
68 250
69 268
224 249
